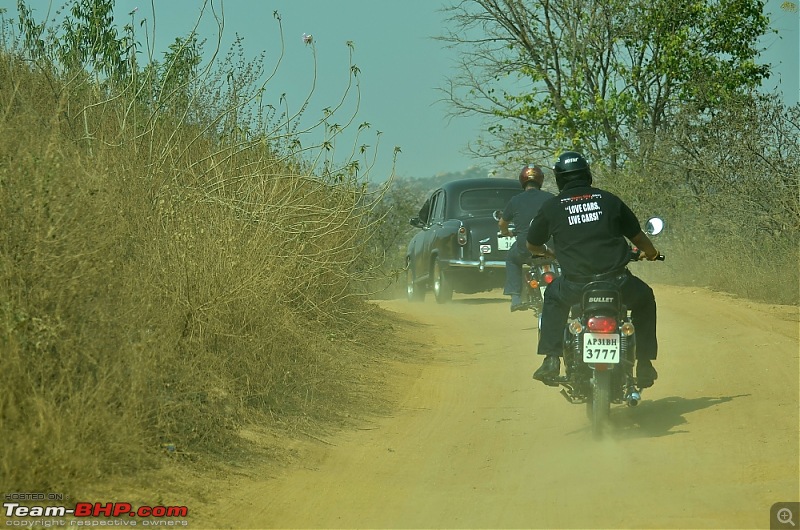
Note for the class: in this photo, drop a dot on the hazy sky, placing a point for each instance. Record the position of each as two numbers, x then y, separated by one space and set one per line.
401 65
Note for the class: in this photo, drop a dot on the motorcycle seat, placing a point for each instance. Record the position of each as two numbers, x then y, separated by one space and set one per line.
601 297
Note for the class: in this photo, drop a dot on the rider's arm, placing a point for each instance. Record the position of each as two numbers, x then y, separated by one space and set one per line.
539 231
503 225
644 244
540 250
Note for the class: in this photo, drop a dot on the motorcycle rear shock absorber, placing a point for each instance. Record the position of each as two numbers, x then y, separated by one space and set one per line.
627 349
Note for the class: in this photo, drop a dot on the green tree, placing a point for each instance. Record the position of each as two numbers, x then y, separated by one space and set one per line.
601 76
748 159
90 38
172 80
86 39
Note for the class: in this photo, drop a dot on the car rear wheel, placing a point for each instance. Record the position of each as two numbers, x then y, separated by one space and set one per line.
442 288
415 293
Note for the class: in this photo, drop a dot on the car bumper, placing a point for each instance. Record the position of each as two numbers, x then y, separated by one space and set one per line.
481 264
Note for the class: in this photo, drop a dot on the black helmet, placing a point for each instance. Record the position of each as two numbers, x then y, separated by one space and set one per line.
570 166
531 173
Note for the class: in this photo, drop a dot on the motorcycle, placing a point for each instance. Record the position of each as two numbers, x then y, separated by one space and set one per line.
599 349
538 275
537 272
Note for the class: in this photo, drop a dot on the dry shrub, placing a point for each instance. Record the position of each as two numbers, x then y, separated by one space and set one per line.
161 285
728 191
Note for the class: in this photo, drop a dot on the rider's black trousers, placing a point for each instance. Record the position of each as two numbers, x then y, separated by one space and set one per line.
562 294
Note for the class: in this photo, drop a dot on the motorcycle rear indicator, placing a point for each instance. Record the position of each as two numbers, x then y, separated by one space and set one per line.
533 283
627 329
575 326
602 324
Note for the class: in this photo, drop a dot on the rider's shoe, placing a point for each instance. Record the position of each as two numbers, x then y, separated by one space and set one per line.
550 368
645 373
518 307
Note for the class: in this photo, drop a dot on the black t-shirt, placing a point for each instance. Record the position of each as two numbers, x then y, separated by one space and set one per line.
521 210
588 226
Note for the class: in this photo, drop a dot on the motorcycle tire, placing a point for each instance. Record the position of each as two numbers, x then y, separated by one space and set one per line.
599 407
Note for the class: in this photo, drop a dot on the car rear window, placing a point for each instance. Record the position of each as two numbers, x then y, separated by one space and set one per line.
486 199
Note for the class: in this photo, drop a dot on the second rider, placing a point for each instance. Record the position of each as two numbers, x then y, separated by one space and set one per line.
521 210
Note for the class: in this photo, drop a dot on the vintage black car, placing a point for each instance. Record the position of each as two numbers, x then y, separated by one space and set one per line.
458 248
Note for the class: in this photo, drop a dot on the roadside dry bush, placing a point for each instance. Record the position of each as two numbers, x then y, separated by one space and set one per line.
729 189
392 232
162 285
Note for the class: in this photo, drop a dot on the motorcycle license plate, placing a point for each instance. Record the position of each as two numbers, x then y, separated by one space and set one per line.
504 243
601 348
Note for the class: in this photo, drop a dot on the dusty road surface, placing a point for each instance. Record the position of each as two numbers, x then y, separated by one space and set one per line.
476 443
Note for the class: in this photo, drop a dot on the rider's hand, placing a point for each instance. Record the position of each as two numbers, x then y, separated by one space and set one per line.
653 258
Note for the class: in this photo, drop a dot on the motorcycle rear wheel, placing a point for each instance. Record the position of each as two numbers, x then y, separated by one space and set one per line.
599 406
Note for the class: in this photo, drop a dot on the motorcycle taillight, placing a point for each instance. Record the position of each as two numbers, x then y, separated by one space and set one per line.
548 277
602 324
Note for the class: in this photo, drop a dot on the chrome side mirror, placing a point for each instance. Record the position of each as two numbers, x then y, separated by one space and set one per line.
654 226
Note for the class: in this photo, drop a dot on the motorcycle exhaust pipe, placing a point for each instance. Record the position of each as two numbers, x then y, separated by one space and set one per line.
633 399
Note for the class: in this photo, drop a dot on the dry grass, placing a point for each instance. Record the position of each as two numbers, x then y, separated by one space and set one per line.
723 241
159 285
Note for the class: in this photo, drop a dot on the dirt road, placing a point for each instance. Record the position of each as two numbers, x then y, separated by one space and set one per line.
476 443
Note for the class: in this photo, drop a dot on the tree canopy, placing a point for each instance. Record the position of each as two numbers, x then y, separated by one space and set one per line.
601 76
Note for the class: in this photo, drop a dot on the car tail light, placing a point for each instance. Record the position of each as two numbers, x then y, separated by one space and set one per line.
462 236
548 277
602 324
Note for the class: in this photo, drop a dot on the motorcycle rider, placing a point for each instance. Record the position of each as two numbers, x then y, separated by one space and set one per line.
589 227
521 210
